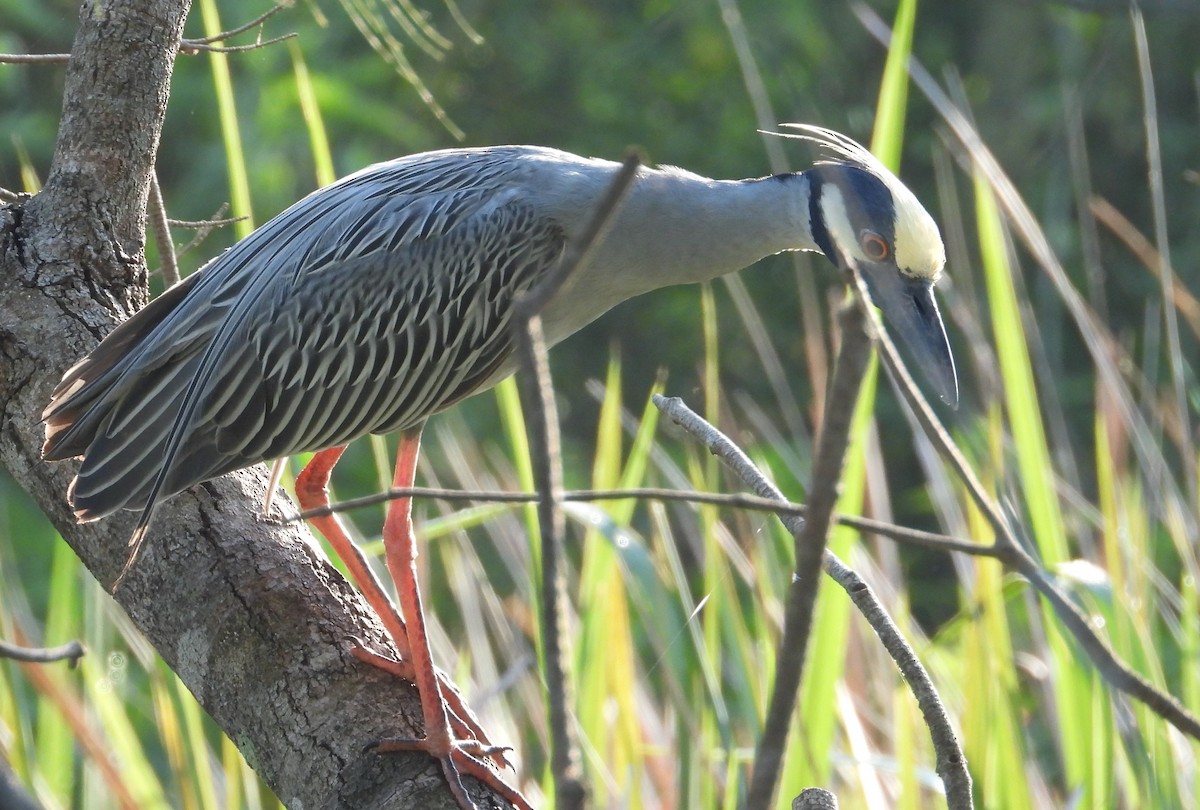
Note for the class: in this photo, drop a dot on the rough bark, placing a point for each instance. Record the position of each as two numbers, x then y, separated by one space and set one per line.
251 615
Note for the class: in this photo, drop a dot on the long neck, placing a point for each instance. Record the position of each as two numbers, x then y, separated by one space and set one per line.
679 228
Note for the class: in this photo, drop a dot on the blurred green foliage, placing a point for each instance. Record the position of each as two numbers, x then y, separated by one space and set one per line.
597 77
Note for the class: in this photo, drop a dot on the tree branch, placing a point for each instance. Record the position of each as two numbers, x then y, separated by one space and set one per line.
810 541
951 764
1118 674
1010 551
248 613
71 652
538 393
732 500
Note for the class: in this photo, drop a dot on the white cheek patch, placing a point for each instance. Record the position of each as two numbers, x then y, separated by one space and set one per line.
837 222
918 249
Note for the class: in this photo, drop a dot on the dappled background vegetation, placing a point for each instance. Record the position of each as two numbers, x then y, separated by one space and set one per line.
1055 91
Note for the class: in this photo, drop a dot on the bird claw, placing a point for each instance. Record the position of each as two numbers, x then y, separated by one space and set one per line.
463 757
387 663
472 741
475 749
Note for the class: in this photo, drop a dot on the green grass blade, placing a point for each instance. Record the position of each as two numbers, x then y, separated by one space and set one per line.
1020 393
606 709
170 734
1072 686
197 746
104 695
55 751
314 123
239 184
890 110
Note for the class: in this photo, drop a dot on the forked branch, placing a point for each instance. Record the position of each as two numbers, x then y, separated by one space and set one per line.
542 420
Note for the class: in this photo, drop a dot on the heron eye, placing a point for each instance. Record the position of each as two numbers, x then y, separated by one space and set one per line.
874 246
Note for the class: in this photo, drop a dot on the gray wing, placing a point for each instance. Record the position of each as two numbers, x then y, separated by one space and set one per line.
365 307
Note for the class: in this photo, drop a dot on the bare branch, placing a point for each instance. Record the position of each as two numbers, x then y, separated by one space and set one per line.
34 58
848 371
952 765
156 212
206 225
579 251
815 799
1118 674
187 46
1010 551
203 227
734 500
72 651
191 47
257 21
537 391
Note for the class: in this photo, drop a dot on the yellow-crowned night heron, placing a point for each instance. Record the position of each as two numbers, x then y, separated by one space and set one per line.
386 297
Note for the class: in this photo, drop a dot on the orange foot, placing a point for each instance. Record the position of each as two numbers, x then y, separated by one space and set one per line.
452 734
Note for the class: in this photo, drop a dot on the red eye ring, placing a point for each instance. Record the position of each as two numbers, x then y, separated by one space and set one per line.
874 246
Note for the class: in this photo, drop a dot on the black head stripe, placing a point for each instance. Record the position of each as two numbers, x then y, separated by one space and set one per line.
816 220
868 201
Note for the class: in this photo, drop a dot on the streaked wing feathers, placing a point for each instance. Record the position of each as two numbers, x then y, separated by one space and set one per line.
364 308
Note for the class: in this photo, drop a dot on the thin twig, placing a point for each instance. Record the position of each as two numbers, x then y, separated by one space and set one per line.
537 392
257 21
1112 668
849 368
156 213
190 47
71 652
1096 335
951 763
579 251
187 46
1010 551
204 227
34 58
734 500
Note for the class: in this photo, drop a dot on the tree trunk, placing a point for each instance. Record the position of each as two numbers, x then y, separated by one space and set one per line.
250 615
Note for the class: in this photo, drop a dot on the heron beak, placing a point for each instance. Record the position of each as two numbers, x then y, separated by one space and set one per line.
911 314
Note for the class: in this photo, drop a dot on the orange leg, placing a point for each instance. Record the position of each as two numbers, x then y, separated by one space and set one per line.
312 492
453 735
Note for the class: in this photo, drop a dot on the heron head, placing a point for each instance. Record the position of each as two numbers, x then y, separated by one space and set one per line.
860 212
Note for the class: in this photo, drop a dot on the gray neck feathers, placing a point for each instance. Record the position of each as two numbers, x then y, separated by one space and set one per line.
680 228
